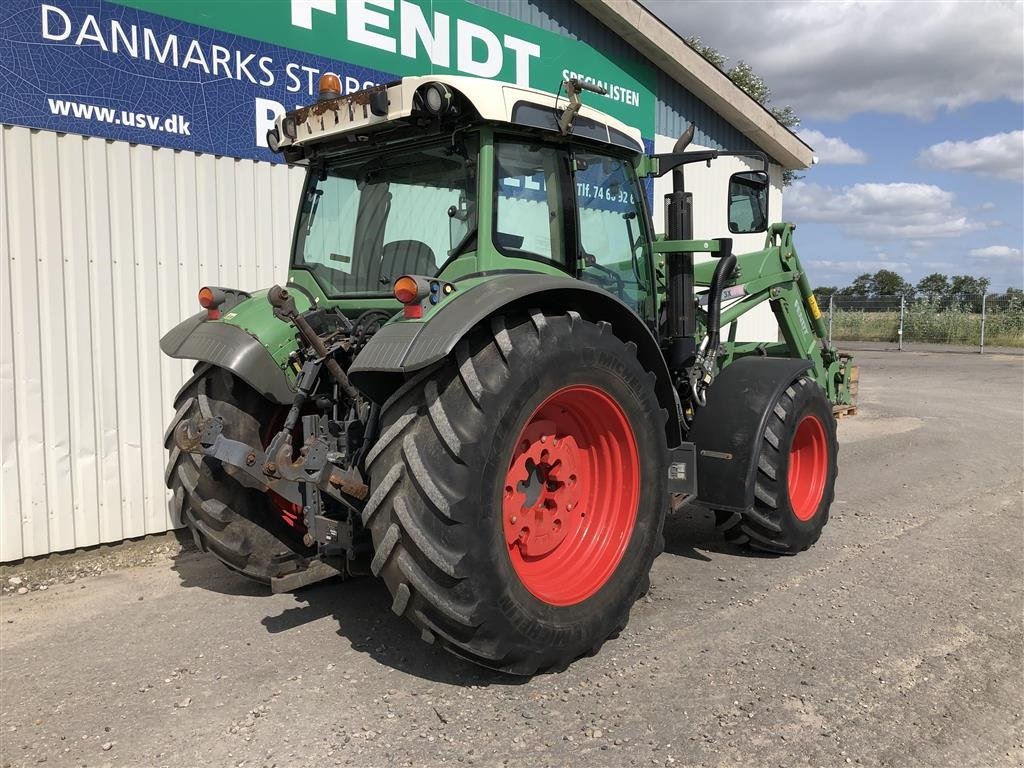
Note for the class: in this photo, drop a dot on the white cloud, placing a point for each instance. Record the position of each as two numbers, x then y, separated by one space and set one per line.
899 211
1000 155
859 266
831 150
996 252
830 60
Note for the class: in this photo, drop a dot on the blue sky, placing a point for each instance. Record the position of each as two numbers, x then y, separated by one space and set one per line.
915 111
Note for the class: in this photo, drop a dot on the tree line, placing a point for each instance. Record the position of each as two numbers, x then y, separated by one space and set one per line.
936 288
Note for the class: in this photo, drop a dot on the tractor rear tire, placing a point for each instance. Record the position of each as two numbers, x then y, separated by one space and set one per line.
538 422
239 524
796 474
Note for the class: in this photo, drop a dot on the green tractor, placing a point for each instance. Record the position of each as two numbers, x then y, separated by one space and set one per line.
486 379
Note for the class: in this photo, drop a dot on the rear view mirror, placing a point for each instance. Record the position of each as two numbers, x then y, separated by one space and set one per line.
748 202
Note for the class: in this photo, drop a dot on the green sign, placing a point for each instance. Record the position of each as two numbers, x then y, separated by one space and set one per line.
419 37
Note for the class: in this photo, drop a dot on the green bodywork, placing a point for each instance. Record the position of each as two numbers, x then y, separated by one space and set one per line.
773 274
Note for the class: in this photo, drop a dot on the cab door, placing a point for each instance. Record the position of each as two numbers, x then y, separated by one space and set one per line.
613 248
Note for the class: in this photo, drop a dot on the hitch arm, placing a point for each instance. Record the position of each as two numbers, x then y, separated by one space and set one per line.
205 437
276 472
284 309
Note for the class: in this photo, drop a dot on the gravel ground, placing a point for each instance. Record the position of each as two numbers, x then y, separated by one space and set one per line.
896 640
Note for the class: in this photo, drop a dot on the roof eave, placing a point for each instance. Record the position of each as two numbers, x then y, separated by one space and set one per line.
659 43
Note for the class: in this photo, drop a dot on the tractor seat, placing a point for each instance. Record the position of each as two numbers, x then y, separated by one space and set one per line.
407 257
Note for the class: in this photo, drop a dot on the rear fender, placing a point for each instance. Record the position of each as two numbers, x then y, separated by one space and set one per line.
727 431
230 347
402 348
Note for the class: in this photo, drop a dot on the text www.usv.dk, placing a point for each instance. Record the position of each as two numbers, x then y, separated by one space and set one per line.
173 124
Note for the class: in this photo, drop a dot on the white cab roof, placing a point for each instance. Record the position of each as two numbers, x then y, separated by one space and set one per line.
495 101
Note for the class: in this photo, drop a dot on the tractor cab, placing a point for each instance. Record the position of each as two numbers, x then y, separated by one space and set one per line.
446 178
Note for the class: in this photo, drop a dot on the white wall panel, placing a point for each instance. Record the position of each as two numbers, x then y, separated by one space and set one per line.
26 361
104 246
80 358
10 483
50 264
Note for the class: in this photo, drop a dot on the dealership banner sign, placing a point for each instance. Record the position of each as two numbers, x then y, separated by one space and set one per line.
211 76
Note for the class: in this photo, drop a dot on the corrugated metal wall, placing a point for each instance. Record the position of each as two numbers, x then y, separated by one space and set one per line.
677 108
104 246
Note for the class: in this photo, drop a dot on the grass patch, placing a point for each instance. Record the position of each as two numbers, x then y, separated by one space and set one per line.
1003 327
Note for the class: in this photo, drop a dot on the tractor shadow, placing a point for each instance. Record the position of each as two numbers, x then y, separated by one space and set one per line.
361 607
198 569
690 532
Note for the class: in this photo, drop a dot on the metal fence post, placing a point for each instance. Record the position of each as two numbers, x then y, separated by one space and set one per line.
831 299
983 297
903 309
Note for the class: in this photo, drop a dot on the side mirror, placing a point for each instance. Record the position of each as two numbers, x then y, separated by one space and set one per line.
748 202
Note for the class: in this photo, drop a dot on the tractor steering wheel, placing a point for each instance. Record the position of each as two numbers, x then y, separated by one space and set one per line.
604 277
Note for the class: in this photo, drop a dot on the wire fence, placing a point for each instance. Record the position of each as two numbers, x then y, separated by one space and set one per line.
963 320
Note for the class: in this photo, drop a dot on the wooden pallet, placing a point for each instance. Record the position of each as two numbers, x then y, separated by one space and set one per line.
842 411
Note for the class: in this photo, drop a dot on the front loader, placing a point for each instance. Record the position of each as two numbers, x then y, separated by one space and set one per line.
485 378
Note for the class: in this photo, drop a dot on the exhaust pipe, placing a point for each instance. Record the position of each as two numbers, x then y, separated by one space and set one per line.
682 316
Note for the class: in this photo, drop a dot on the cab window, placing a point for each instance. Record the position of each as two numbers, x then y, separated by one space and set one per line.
613 247
530 219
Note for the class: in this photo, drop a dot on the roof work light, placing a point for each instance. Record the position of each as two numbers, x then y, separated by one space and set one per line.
437 99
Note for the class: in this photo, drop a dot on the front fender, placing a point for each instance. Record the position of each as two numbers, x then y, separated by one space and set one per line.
401 348
727 431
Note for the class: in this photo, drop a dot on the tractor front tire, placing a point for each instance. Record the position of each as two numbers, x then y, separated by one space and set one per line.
245 528
518 492
796 474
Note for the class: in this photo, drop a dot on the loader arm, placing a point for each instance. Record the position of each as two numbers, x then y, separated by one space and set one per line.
776 275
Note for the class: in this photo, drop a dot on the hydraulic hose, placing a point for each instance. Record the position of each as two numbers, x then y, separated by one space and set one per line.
723 271
702 373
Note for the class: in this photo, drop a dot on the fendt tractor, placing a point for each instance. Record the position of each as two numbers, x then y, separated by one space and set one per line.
486 380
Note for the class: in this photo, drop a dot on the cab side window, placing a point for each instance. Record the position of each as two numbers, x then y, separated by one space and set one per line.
613 250
529 203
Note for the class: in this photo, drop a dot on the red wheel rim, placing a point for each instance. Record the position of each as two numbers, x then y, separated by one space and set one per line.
570 498
808 468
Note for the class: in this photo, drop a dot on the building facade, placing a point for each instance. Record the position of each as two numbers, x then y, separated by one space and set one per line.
133 170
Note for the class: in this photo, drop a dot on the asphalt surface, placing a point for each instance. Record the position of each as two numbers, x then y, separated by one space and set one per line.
896 640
